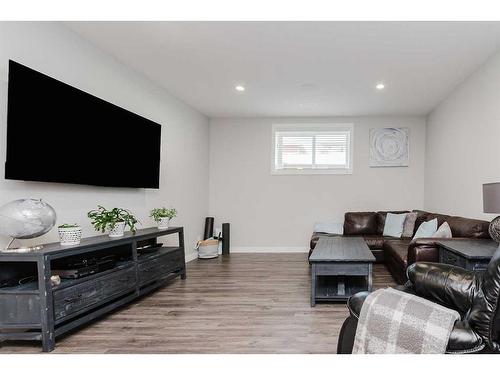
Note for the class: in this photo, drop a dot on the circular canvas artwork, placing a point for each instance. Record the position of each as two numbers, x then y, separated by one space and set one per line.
389 147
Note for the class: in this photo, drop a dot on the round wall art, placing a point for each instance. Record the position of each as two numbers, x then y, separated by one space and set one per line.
389 147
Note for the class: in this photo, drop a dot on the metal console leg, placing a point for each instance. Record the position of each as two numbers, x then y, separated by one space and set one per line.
370 277
181 245
313 285
46 304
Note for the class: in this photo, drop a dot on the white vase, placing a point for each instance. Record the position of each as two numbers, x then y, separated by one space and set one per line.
163 223
70 236
118 229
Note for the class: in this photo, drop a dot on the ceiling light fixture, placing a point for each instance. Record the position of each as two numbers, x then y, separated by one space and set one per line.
239 88
380 86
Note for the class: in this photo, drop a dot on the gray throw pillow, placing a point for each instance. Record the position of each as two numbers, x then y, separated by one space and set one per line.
409 226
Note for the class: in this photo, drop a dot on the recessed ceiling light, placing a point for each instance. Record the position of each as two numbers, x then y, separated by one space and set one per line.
239 88
380 86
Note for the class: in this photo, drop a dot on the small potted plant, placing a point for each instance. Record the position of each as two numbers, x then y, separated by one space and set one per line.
70 234
113 220
162 216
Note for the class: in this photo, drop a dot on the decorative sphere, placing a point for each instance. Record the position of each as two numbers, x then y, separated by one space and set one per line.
26 218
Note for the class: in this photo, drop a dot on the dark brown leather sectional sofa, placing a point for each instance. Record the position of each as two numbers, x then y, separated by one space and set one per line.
399 253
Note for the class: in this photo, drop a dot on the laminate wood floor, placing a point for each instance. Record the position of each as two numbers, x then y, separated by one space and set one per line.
242 303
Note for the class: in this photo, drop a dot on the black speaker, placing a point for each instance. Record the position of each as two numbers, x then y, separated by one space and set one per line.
225 239
209 228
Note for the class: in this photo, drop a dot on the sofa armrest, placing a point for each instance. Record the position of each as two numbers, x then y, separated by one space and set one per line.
447 285
423 250
426 249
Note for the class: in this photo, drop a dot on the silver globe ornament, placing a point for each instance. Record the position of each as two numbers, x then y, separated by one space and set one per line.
26 218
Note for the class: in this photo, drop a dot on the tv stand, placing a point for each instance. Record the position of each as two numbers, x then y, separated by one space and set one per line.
36 310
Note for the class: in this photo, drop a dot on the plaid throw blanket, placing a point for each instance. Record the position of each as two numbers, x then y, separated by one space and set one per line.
392 321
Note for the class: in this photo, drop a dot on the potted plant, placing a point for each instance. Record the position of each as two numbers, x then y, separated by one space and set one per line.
162 216
70 234
113 220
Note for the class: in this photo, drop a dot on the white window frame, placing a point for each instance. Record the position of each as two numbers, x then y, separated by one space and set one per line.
313 127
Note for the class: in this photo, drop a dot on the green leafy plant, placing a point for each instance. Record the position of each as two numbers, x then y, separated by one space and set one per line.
69 226
158 213
103 219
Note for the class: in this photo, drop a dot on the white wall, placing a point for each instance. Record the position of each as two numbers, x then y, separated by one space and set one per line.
55 50
277 212
463 144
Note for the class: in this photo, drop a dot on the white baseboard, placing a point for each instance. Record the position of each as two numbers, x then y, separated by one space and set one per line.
253 249
191 256
269 249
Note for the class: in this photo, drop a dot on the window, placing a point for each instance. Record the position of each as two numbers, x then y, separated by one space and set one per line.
312 149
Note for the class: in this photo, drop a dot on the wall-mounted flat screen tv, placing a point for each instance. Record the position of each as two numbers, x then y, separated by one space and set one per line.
58 133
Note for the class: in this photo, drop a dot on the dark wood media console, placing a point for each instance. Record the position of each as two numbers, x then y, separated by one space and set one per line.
36 310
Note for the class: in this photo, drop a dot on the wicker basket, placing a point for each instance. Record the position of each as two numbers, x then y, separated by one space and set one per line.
208 249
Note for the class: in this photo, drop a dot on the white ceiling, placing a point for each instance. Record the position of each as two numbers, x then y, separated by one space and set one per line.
301 68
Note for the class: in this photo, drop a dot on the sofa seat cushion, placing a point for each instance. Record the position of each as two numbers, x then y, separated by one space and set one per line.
375 241
462 338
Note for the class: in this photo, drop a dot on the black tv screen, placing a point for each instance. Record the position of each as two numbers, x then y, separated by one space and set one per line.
58 133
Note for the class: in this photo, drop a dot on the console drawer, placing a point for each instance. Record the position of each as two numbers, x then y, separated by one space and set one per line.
160 266
73 299
341 268
478 266
453 259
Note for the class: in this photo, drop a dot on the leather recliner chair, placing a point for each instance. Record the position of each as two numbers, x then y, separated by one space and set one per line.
476 296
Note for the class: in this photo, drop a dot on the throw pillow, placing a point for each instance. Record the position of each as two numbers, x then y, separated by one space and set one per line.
409 226
426 229
393 226
444 231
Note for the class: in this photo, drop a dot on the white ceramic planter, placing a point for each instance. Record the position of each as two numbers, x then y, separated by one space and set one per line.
117 230
70 236
163 223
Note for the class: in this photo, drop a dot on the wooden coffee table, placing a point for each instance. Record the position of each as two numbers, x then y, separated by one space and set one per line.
340 267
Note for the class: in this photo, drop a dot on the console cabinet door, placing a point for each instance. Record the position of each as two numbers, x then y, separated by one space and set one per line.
19 309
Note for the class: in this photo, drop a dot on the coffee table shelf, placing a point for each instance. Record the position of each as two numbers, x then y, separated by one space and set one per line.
327 288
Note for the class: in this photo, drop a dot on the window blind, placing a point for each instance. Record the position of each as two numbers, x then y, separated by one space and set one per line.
322 148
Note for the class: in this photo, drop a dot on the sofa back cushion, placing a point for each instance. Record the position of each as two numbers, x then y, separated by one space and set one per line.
359 223
381 216
460 226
